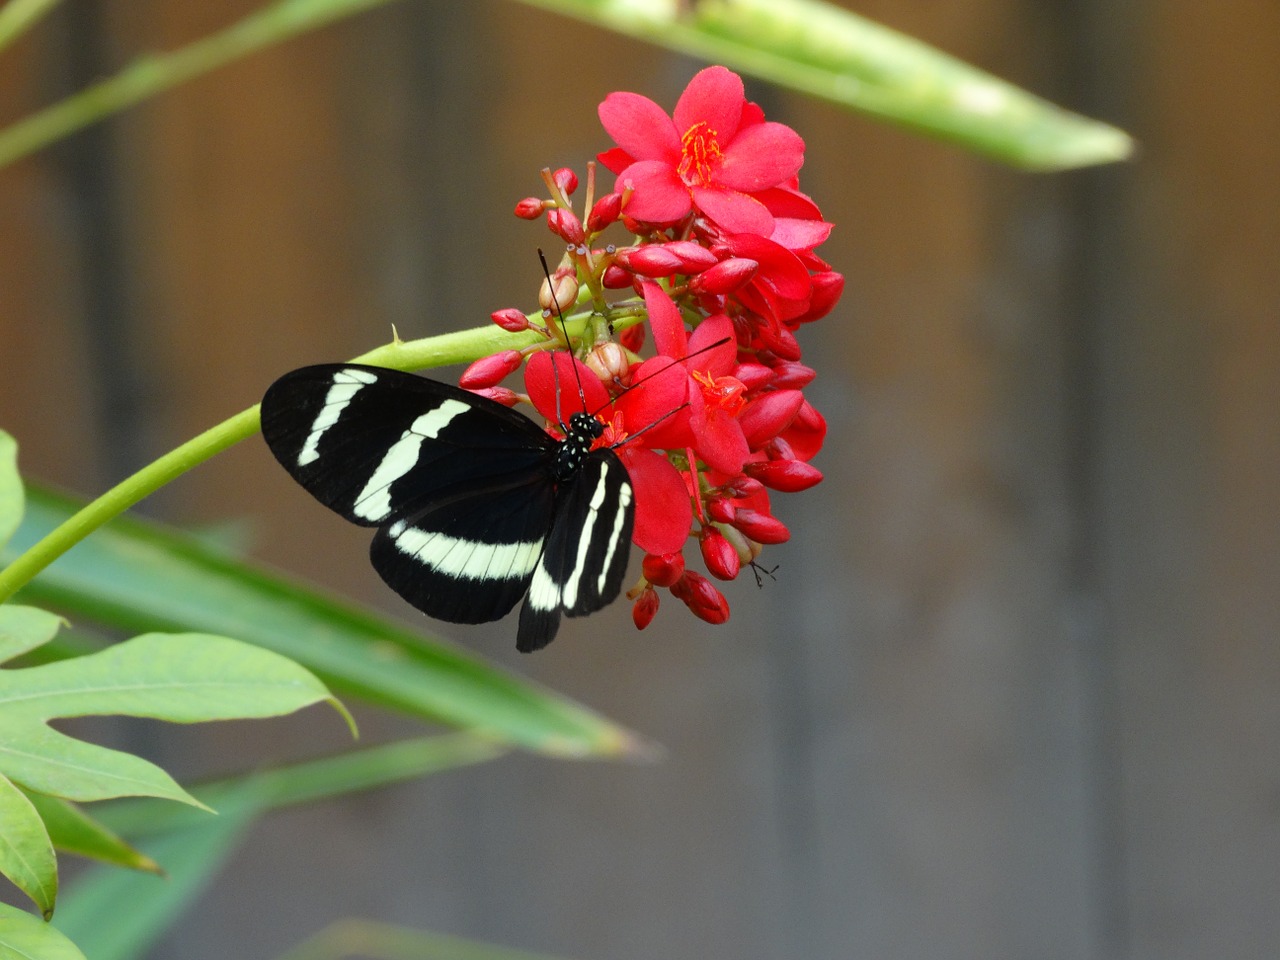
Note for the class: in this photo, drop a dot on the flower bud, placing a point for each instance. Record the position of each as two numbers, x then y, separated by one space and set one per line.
564 223
753 375
615 278
826 290
790 375
760 527
530 208
609 362
566 180
768 415
488 371
786 476
664 570
604 212
502 395
719 555
566 293
780 340
651 260
725 277
510 319
693 257
741 487
645 607
720 510
702 597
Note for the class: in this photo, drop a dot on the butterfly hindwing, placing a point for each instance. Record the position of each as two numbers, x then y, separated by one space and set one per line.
469 559
585 557
375 445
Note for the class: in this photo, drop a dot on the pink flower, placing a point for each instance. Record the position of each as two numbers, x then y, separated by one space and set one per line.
713 154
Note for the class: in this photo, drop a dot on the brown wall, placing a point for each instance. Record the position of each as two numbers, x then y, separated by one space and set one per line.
1016 690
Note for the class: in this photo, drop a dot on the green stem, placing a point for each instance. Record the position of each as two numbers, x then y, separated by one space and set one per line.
437 351
152 74
17 16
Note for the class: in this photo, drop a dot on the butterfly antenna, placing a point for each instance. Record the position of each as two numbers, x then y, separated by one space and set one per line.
564 332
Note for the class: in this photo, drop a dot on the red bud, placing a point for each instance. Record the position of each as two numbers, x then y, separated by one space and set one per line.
502 395
702 597
510 319
693 257
768 415
566 180
664 570
615 278
720 510
787 476
721 558
488 371
790 375
725 277
826 290
632 338
604 212
530 208
566 225
760 527
645 607
651 260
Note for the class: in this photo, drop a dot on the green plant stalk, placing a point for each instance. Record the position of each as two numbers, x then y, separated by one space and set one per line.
461 347
17 16
152 74
826 51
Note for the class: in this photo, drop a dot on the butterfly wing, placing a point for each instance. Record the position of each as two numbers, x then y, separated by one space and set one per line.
377 445
585 557
469 559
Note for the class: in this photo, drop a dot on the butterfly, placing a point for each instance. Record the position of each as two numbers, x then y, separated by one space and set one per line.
475 505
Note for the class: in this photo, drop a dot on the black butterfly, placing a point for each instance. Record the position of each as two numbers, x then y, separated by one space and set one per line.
475 504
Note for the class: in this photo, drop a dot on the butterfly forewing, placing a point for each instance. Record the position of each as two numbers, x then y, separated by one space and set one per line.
585 558
375 444
475 504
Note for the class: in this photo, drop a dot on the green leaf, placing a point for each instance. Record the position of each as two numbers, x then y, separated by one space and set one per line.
826 51
24 937
25 628
185 678
26 853
142 576
312 780
10 488
74 831
122 913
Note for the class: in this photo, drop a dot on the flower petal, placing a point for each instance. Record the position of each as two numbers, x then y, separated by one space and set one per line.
669 336
719 361
640 127
615 159
658 194
735 212
714 96
663 511
760 157
553 386
721 443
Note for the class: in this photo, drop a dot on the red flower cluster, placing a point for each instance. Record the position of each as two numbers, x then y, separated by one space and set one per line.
722 267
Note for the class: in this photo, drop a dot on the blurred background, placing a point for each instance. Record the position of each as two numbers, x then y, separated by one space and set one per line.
1015 692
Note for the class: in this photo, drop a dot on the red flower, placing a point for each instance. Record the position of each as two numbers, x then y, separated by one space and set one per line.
715 395
664 513
711 155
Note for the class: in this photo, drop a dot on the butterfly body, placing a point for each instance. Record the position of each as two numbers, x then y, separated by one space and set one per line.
476 506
